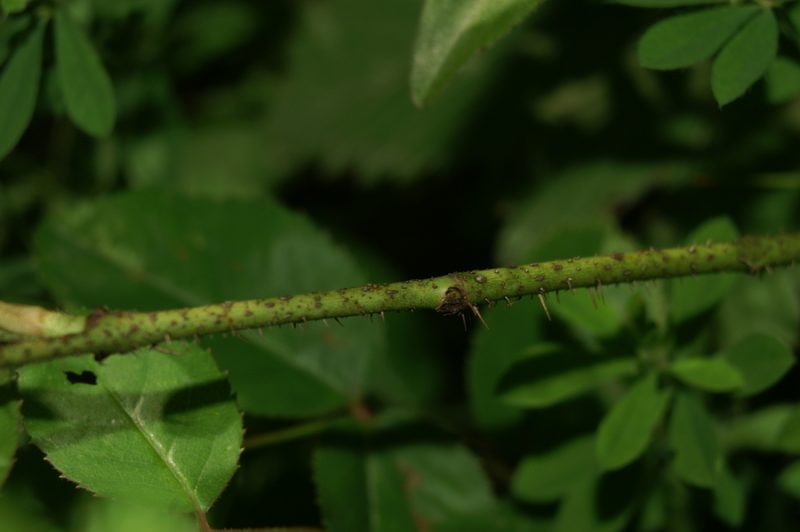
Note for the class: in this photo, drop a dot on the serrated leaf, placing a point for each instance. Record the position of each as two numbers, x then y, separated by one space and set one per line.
550 476
789 480
511 331
549 374
761 360
149 251
709 374
783 80
683 40
147 427
691 434
88 93
451 31
342 100
745 58
691 296
624 433
19 88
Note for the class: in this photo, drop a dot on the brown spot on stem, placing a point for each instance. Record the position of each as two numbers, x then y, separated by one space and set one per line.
617 256
540 277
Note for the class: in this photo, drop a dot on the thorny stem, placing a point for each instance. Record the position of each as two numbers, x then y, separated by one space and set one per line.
106 332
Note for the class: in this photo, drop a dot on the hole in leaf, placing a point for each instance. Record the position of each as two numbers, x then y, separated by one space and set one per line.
84 377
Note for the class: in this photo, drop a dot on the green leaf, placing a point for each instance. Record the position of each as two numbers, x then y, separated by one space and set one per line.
775 428
730 498
149 251
698 459
665 3
578 198
359 489
14 6
771 306
549 374
684 40
511 331
761 360
445 480
600 504
146 427
9 427
342 100
789 480
745 58
451 31
624 433
691 296
709 374
19 87
99 515
380 479
783 80
87 89
550 476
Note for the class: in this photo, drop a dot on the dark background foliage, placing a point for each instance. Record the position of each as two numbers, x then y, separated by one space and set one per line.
551 143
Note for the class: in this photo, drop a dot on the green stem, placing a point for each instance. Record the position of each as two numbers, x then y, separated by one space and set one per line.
116 332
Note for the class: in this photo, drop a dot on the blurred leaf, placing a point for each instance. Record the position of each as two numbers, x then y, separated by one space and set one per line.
585 309
730 498
87 89
149 251
512 330
745 58
451 31
106 516
22 511
592 506
549 477
761 360
550 374
9 426
626 430
770 306
665 3
13 6
691 296
578 197
444 481
789 480
775 428
146 427
343 100
209 30
709 374
359 489
698 459
393 480
783 80
683 40
19 88
501 517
